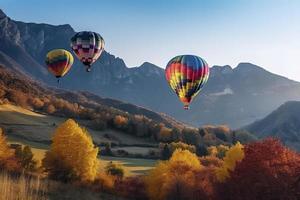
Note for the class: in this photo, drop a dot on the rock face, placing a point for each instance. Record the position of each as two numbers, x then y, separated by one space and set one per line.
283 123
232 96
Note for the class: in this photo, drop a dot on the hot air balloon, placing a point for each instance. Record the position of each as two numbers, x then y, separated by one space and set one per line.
59 62
187 74
87 46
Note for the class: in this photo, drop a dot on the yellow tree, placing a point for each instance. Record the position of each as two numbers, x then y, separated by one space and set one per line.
7 159
218 151
185 157
232 156
5 151
72 150
172 177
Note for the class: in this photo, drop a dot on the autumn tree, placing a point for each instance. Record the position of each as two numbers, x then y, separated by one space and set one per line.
25 158
72 153
167 149
107 149
191 136
211 161
165 152
50 109
114 169
104 182
36 103
269 171
140 125
120 121
7 158
233 155
18 98
171 178
165 134
212 151
218 151
5 151
133 188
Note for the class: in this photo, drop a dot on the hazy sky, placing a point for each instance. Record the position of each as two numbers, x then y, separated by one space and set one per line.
263 32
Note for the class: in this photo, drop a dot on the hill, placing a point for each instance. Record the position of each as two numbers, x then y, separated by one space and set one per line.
39 109
231 96
283 123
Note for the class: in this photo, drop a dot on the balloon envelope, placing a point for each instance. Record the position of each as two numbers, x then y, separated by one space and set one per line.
87 46
59 62
187 74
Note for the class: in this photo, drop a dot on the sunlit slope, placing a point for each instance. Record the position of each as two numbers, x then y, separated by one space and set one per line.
132 166
28 126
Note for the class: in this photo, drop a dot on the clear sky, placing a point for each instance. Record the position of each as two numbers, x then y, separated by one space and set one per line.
263 32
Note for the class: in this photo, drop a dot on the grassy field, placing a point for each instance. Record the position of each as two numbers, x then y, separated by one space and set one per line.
35 127
36 188
29 128
132 166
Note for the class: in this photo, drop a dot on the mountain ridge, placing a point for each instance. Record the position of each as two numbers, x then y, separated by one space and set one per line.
283 123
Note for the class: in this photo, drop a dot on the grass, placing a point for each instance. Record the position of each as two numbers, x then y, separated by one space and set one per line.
22 188
25 188
29 128
132 166
25 125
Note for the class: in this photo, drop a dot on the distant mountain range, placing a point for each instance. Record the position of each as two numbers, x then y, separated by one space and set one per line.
283 123
235 97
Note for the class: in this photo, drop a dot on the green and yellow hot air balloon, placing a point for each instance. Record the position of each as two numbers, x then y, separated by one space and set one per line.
59 62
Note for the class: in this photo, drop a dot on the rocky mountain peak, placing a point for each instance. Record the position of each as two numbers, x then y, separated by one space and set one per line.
219 70
247 67
149 68
2 14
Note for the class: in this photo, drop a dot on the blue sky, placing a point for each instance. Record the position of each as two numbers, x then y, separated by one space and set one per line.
264 32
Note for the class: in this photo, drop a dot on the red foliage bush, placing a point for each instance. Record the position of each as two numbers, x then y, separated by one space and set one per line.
132 187
268 171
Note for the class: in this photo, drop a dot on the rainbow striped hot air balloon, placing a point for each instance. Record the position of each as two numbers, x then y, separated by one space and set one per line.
59 62
186 75
88 47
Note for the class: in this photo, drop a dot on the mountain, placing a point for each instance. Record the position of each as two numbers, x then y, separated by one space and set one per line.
283 123
235 97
